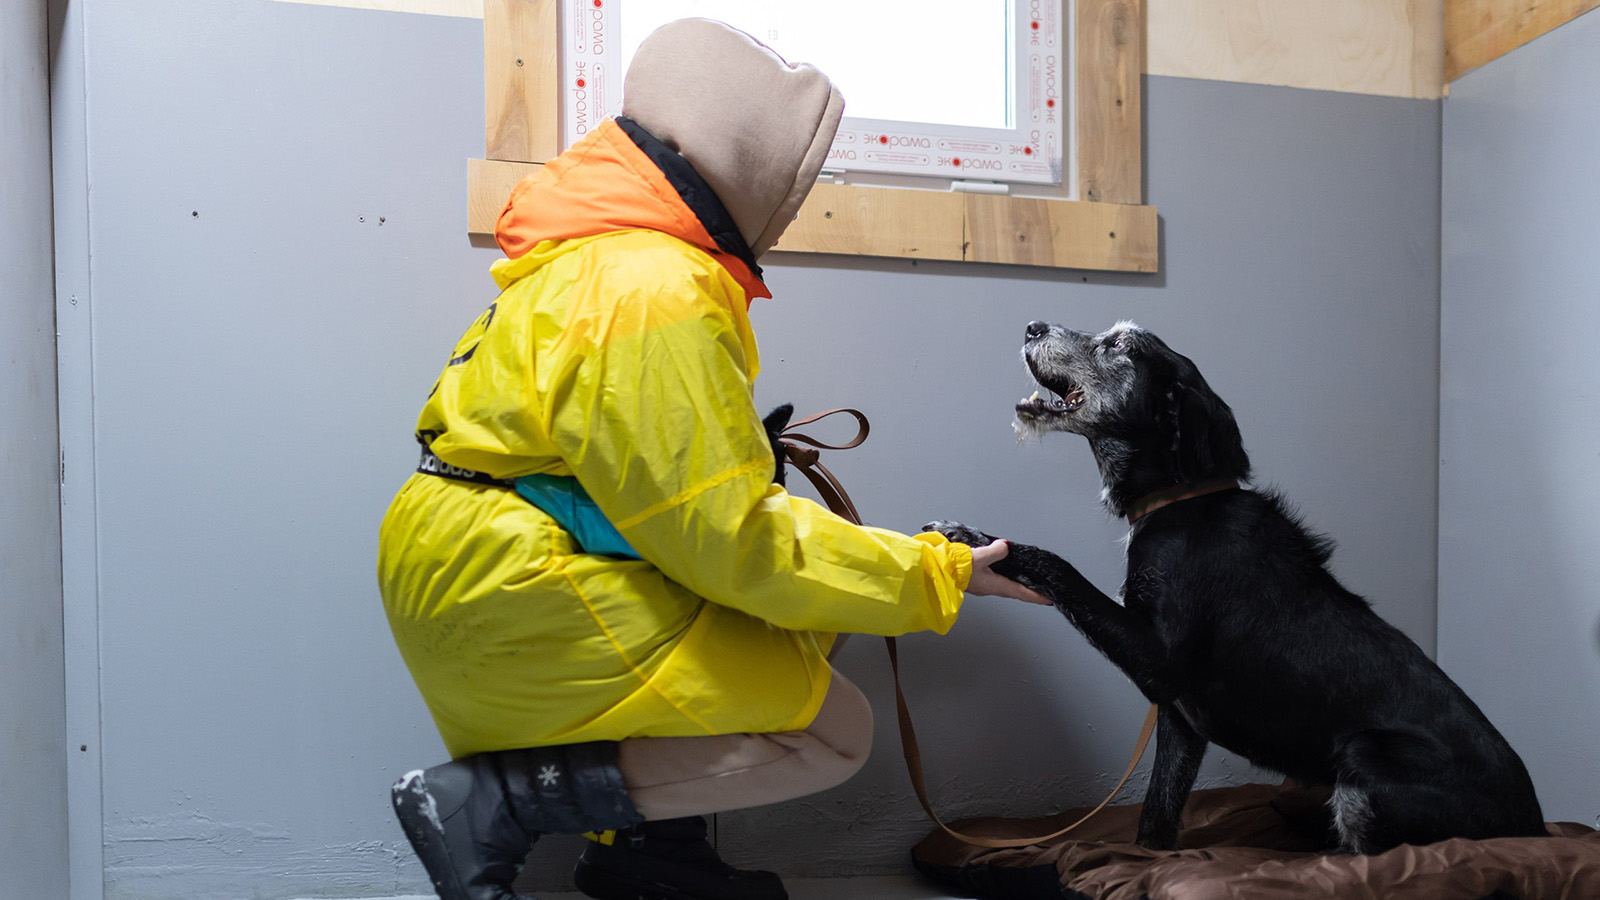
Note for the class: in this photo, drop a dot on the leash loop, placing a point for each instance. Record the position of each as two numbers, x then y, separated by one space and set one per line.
802 452
863 428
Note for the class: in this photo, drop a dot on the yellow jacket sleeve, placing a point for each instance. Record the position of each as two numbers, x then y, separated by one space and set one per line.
647 397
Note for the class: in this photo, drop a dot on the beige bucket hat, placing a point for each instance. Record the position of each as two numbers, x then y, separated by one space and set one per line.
755 127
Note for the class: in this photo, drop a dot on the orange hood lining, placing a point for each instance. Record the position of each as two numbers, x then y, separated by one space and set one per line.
617 178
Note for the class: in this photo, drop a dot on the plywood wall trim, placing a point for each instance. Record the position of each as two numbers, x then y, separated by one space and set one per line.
489 184
1427 47
520 80
1110 45
1478 31
1385 47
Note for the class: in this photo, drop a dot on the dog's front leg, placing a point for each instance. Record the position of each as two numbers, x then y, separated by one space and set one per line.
1178 753
1126 638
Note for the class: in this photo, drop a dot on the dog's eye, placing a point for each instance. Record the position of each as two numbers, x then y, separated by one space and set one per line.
1119 344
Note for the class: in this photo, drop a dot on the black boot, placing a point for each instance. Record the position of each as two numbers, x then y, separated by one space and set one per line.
668 860
472 821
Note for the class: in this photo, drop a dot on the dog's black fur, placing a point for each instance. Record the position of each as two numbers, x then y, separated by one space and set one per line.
775 422
1231 622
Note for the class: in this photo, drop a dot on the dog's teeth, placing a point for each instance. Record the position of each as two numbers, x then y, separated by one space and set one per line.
1033 398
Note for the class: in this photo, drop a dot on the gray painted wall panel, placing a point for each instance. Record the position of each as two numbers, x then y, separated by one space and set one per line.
279 238
258 369
33 754
75 388
1519 611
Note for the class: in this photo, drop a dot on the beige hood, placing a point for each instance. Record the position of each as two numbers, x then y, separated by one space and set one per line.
755 127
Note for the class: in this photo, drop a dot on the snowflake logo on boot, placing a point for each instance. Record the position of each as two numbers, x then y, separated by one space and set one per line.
549 775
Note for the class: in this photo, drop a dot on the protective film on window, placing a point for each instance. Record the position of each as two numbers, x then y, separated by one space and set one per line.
963 89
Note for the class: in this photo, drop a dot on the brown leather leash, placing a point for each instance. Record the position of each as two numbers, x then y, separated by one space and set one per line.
802 452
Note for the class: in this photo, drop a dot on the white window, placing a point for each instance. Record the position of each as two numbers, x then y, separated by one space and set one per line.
972 90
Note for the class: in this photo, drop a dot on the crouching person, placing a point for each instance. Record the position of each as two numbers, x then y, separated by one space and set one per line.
618 622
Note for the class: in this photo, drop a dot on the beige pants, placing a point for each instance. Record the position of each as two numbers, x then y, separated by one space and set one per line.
670 777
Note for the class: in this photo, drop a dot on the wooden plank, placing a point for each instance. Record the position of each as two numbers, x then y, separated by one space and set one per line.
1110 48
976 227
1106 236
1014 230
1478 31
489 184
521 82
867 221
872 221
1384 47
1062 234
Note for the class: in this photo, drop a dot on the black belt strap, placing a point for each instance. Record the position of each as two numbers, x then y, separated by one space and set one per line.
433 465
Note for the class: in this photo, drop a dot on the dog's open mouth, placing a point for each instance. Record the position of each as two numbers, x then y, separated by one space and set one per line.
1037 406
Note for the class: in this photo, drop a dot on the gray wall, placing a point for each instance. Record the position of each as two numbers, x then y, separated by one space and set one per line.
258 366
1519 610
33 773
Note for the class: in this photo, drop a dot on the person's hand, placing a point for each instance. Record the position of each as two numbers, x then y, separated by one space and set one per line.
985 582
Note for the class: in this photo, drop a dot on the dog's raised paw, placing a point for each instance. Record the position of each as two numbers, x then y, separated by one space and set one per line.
959 533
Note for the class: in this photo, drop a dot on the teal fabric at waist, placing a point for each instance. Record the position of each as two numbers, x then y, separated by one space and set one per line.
562 498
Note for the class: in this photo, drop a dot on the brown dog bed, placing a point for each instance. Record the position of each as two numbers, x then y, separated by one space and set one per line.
1256 842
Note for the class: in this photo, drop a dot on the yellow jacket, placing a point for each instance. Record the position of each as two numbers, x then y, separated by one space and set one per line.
620 352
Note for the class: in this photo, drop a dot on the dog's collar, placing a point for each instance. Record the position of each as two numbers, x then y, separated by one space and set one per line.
1154 500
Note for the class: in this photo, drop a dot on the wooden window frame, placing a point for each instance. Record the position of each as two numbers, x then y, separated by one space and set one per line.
1108 229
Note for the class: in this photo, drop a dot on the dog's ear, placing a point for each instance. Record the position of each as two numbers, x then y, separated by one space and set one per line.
775 422
1186 419
1205 437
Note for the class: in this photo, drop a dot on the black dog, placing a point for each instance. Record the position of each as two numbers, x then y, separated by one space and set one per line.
1232 623
775 422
